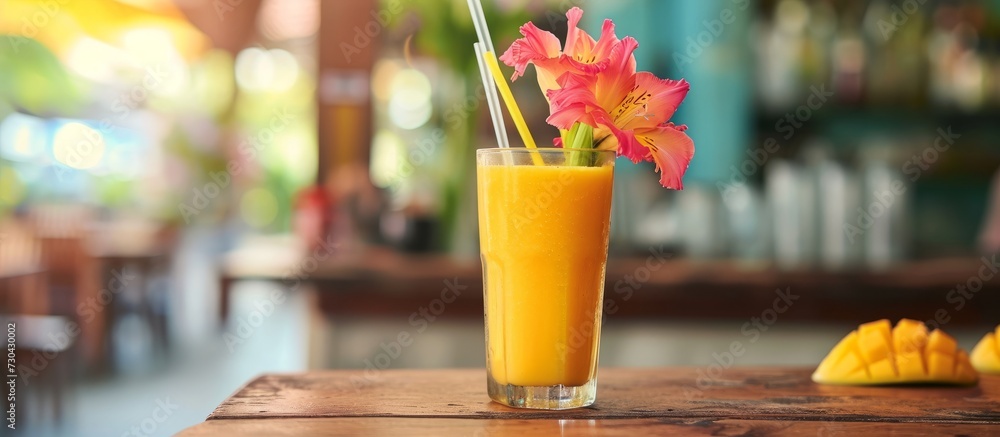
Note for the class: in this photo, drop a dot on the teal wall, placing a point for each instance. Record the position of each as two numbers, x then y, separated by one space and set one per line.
718 108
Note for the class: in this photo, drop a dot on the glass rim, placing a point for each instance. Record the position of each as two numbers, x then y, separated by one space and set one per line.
491 150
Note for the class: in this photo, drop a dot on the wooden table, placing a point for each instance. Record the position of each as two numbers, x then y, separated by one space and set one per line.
742 401
24 291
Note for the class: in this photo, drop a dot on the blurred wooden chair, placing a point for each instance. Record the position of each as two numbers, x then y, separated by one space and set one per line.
74 275
45 351
139 250
23 282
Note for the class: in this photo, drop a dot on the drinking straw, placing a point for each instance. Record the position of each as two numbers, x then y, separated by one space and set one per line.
482 29
508 98
492 100
483 32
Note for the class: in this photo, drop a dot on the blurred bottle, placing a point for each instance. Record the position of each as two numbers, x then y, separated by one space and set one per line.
783 187
849 59
779 52
313 216
835 194
897 69
884 213
989 235
748 223
820 34
703 221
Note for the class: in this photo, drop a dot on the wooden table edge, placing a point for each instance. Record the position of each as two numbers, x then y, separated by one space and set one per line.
681 414
678 417
337 426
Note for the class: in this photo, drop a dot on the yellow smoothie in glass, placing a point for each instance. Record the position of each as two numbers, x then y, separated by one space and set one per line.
544 243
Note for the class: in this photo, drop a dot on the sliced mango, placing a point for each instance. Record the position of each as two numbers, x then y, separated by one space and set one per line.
876 353
909 336
986 354
873 338
941 342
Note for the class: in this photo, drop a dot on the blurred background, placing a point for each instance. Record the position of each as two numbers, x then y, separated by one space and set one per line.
193 192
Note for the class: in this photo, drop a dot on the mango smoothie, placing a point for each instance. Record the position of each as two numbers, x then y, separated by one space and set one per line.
544 243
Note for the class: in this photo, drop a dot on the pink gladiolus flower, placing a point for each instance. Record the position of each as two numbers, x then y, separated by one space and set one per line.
595 83
582 53
630 113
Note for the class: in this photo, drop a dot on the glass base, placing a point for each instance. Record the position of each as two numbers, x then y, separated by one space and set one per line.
553 397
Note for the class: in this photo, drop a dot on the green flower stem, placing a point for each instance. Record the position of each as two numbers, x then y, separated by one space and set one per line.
581 136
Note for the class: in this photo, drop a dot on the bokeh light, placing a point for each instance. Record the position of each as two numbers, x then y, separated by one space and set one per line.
78 146
387 152
95 60
22 137
410 101
266 70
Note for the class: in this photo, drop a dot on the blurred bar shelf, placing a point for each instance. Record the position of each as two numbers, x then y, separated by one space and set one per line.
383 283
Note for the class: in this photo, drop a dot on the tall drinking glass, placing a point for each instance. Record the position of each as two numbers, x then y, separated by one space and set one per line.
544 218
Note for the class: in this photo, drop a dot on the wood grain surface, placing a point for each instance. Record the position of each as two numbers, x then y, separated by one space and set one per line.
773 394
404 427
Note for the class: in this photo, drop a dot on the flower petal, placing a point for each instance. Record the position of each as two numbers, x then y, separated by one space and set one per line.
671 150
607 42
651 102
550 70
613 138
582 53
536 45
630 147
579 44
617 80
667 95
568 115
573 101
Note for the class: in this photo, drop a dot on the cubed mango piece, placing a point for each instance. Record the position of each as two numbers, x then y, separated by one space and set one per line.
877 353
908 336
985 356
